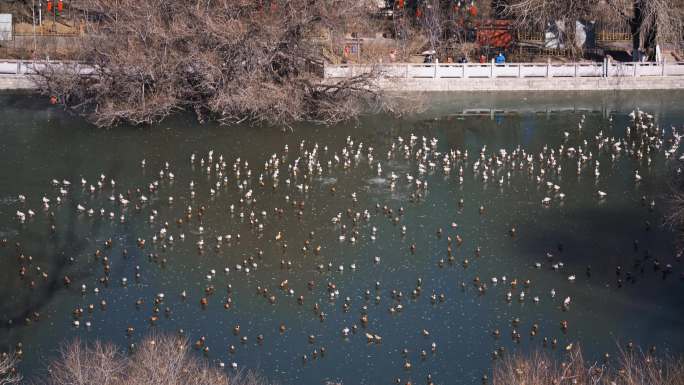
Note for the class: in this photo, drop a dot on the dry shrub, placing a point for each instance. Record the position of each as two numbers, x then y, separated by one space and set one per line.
639 368
631 368
159 360
412 46
246 60
650 21
377 50
81 365
8 372
540 368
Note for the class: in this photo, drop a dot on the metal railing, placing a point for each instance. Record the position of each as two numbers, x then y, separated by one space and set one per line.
600 35
614 36
507 70
525 35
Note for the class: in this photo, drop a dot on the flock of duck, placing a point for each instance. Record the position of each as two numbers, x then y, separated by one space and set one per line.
188 218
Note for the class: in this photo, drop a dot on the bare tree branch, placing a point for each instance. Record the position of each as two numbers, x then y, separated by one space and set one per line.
233 60
158 360
8 371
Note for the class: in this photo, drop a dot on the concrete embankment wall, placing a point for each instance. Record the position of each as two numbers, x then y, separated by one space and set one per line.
579 76
529 84
23 82
17 82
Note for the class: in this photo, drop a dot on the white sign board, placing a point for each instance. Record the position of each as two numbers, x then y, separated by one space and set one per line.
554 35
5 26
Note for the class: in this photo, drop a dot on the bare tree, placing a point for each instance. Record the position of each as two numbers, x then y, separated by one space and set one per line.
550 14
85 365
433 23
8 371
650 21
437 25
159 360
539 13
634 367
235 60
20 8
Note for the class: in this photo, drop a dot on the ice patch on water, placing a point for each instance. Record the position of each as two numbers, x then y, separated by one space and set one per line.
8 233
328 180
8 200
377 180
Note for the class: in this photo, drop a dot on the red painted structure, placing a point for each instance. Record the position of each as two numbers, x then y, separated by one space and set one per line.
495 34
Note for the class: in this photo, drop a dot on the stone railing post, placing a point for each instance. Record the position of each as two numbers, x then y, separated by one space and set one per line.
434 74
491 69
548 67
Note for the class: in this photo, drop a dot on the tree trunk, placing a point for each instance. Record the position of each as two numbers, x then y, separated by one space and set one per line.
635 29
650 42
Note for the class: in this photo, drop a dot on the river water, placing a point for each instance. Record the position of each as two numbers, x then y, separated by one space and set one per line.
41 143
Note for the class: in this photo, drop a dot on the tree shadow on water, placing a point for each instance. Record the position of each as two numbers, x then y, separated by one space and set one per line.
602 239
66 243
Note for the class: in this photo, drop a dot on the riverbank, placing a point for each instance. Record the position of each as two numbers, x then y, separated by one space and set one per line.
579 76
24 82
406 77
531 84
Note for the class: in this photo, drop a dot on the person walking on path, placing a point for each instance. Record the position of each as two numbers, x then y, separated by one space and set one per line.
500 58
